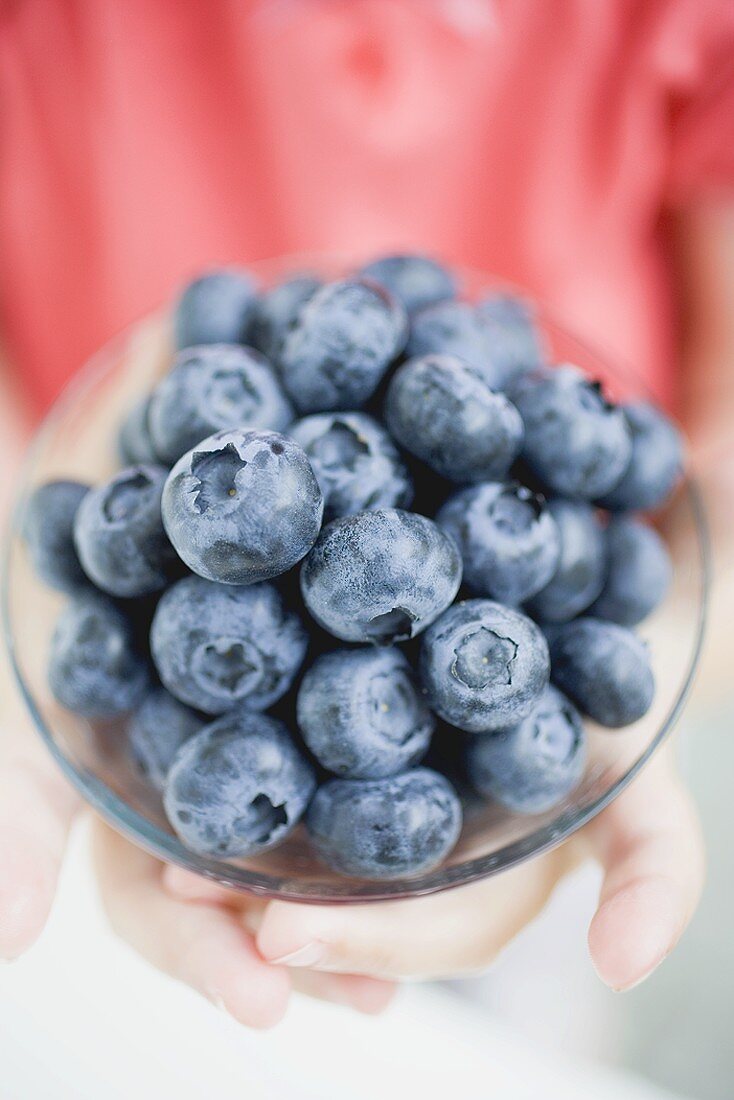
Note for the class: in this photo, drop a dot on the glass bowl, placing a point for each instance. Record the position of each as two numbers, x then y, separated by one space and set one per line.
78 440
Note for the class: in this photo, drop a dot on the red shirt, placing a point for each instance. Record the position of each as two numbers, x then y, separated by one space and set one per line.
141 140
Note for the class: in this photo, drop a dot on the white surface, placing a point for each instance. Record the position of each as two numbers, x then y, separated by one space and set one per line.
82 1018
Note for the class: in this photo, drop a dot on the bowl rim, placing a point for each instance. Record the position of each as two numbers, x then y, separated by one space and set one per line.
166 847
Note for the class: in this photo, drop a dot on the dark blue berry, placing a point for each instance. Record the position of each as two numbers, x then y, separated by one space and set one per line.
604 668
508 539
355 462
156 731
483 666
575 441
579 575
516 342
656 463
134 444
639 572
237 787
119 534
442 411
380 576
531 767
277 310
360 714
218 645
385 828
457 329
416 281
48 531
341 345
212 388
215 308
94 666
242 506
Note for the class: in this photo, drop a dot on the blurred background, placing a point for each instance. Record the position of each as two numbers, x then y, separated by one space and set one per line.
581 149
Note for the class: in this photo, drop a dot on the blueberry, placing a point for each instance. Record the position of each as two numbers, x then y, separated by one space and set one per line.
483 666
277 310
579 575
457 329
218 645
380 576
516 342
355 462
156 731
119 536
604 668
134 445
443 412
639 572
212 388
508 539
48 531
416 281
94 667
655 465
575 441
237 787
385 828
216 308
341 345
242 506
361 715
533 766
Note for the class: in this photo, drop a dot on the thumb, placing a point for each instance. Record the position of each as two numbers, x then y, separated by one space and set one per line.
36 809
649 844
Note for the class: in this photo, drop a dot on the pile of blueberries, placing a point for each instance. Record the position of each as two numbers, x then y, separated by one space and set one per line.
327 472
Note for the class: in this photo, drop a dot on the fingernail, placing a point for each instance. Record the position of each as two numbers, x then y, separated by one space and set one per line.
627 987
311 954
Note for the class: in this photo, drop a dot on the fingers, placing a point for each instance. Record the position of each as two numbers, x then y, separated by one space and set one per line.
36 810
204 945
367 995
649 843
188 886
457 932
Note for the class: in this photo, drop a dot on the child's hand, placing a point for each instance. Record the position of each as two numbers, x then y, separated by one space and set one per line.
208 942
36 810
216 940
206 945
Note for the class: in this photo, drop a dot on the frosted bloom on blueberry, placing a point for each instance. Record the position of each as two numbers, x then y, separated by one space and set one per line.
441 410
508 539
215 645
385 828
361 714
215 308
576 442
380 576
416 281
212 388
531 767
242 506
355 461
119 534
341 345
604 668
238 787
483 666
94 666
